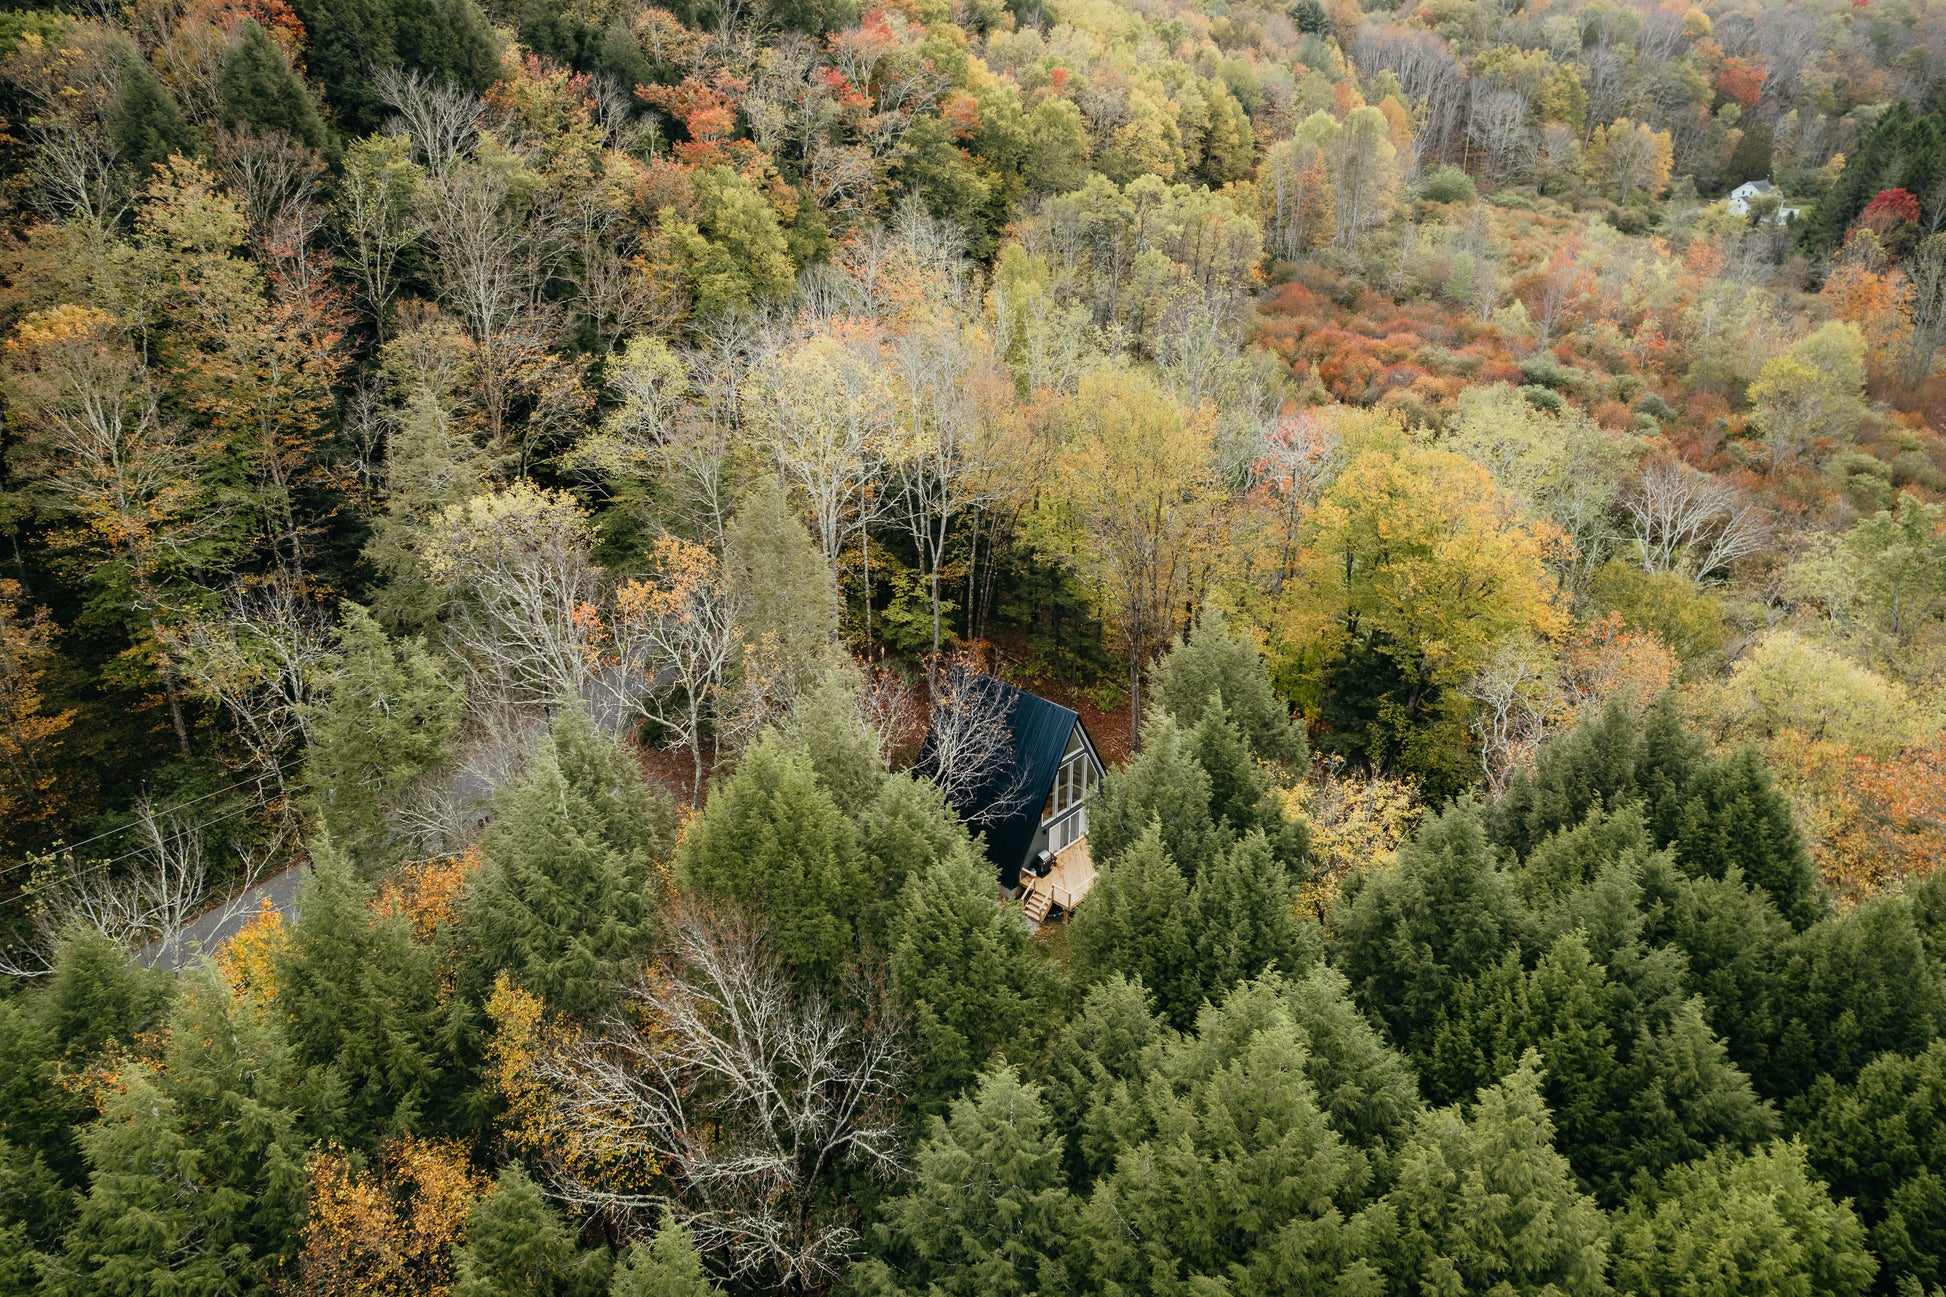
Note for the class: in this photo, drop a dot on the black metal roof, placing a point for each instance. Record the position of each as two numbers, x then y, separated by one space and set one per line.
1006 806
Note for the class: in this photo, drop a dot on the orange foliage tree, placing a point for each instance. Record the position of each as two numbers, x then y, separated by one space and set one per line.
388 1232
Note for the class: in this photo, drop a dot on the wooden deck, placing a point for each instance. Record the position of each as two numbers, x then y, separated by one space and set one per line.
1065 885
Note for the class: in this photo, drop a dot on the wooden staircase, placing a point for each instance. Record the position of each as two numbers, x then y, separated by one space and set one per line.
1038 904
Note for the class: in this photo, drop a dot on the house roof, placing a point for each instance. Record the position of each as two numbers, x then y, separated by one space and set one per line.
1755 186
1015 794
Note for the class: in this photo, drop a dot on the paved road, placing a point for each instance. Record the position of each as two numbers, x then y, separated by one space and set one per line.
219 923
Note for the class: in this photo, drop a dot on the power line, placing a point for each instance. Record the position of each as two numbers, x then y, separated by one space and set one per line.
169 810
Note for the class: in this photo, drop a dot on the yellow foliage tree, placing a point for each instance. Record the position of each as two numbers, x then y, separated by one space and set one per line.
388 1231
1141 483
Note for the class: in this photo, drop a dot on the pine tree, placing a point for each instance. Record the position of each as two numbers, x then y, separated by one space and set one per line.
96 998
1366 1089
1136 924
1245 920
1241 1177
1215 663
1093 1072
448 40
1881 1142
771 841
965 968
361 1011
388 721
1165 783
1407 936
844 750
1740 1224
787 600
198 1178
667 1266
988 1210
517 1246
1237 786
257 87
144 121
564 894
1733 814
1486 1204
905 830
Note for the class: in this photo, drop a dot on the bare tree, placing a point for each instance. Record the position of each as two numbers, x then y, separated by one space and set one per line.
969 749
1690 522
525 594
261 658
69 88
1515 696
948 460
719 1093
442 120
145 900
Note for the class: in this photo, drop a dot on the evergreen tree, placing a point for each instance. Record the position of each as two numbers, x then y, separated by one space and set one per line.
988 1211
1239 1177
196 1172
905 830
1137 924
1216 664
1365 1088
1881 1142
388 721
448 40
771 841
1733 814
256 87
1486 1205
144 121
564 893
95 999
1245 920
1407 936
517 1246
1164 784
1736 1224
667 1266
1238 787
844 750
1590 767
1094 1071
361 1011
1850 988
785 595
967 971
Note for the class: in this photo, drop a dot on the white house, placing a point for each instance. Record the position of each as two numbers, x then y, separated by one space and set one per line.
1749 191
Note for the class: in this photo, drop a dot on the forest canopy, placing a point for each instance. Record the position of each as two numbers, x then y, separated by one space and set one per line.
524 524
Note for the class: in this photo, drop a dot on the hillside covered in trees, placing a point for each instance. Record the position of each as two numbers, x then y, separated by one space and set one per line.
537 494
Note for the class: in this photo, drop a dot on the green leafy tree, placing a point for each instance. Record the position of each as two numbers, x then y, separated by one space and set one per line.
388 720
1734 1224
771 841
989 1210
256 87
666 1266
1484 1203
517 1246
566 888
734 255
